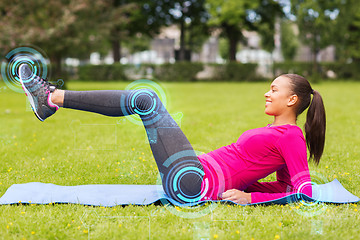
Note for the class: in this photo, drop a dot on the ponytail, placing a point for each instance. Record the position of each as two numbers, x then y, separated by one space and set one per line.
315 124
315 127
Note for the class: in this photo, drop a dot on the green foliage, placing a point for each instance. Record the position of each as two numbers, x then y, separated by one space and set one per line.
191 18
231 12
269 12
342 70
267 37
224 48
289 41
138 43
231 17
197 35
347 34
180 71
60 28
233 71
124 21
317 23
234 16
102 72
75 28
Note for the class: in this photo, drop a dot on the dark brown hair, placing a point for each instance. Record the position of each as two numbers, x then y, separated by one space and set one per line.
315 124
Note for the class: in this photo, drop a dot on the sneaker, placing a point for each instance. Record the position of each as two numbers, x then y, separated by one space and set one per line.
38 92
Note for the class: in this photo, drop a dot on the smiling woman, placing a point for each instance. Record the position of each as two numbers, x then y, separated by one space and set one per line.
296 93
280 146
230 172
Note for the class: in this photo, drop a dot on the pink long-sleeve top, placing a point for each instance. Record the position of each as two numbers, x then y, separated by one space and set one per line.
256 154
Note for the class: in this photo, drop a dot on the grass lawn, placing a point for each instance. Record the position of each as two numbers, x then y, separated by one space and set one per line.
76 148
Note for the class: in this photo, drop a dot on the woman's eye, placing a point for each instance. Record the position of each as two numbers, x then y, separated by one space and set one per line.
273 90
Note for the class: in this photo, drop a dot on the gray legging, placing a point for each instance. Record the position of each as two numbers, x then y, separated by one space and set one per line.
180 170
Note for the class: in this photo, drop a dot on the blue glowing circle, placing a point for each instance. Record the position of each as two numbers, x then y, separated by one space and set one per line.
305 207
144 85
134 106
60 83
18 56
183 170
181 195
195 209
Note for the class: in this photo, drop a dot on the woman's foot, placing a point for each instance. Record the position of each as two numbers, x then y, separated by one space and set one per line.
38 92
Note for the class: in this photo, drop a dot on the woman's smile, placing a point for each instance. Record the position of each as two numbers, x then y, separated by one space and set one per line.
267 102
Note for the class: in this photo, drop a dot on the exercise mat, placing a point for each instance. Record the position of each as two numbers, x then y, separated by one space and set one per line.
109 195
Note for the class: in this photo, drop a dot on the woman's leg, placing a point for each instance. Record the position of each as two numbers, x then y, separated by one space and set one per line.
181 171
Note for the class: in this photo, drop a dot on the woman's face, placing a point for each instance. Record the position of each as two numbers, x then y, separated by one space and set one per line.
280 97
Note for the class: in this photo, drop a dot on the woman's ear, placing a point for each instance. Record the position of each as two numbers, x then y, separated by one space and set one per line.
292 100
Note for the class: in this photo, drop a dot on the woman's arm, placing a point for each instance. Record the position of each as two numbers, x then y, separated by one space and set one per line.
244 197
281 185
236 196
267 187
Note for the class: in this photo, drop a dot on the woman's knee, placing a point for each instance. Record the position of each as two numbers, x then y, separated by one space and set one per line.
184 184
145 101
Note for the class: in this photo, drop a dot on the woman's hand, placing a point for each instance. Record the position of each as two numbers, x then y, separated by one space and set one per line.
236 196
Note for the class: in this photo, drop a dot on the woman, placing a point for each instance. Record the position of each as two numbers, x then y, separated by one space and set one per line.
230 172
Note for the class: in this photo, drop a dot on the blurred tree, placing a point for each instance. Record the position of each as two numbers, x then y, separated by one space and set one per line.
197 36
75 28
233 16
125 20
118 18
267 13
138 43
317 24
289 41
191 17
348 31
60 28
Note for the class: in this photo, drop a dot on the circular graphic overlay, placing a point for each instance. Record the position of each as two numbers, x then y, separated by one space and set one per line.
34 58
145 90
179 172
303 205
193 208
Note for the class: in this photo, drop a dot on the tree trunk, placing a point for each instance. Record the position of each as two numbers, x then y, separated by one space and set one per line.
57 72
190 41
116 47
233 35
233 41
56 67
182 41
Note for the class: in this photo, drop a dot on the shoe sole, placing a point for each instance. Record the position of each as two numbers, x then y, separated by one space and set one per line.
31 100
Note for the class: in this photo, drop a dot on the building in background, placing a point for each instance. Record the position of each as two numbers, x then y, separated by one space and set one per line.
164 50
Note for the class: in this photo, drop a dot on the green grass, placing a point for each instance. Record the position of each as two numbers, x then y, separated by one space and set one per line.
75 148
